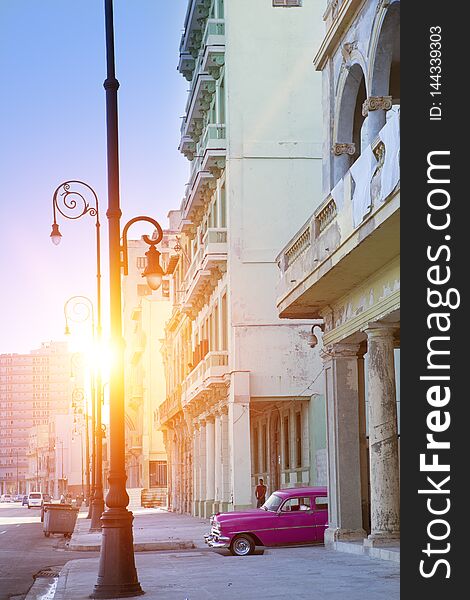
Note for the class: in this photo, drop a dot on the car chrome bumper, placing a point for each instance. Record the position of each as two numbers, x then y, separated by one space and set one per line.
215 541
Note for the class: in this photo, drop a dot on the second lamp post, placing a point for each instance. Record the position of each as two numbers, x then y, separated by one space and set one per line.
74 199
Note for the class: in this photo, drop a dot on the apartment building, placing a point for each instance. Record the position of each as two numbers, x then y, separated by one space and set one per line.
343 266
34 388
244 399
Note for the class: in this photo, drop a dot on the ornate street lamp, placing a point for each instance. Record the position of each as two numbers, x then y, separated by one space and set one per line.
73 199
117 574
80 409
80 309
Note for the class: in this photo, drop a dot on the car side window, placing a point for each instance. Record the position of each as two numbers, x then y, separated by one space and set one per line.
296 504
321 503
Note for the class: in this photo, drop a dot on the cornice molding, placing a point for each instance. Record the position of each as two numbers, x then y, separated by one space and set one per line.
346 13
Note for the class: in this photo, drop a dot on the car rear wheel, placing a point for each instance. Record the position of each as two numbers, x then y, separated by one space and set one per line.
242 545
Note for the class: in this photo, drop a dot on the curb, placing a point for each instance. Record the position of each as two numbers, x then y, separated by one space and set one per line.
139 546
45 586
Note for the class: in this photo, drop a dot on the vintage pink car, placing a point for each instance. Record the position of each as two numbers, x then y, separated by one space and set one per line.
289 516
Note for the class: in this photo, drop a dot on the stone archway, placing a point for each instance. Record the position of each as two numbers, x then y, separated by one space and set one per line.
385 66
349 121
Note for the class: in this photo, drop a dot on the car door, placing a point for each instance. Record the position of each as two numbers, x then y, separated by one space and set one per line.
320 512
296 522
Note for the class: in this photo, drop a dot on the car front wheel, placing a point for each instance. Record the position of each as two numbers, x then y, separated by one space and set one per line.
242 545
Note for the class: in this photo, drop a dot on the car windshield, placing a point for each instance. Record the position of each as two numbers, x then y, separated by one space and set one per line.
272 503
35 495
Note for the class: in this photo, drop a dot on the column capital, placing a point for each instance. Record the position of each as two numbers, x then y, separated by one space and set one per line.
340 350
376 103
340 148
380 329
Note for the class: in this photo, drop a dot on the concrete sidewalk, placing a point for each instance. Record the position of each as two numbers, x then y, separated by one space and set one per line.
154 529
300 573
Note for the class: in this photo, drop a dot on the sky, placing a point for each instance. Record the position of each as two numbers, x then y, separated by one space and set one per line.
52 129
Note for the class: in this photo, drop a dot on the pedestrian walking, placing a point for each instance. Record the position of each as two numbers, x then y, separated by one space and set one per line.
260 493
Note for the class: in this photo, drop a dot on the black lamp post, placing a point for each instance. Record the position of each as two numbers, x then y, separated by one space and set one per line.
73 199
117 574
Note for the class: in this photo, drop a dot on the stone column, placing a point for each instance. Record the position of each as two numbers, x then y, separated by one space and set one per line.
239 440
202 468
210 467
218 461
344 468
375 109
225 495
383 438
173 456
196 475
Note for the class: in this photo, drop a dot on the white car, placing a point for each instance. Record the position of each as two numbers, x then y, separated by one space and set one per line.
35 500
6 498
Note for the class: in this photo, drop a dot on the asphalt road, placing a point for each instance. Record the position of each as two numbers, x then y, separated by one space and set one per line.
24 550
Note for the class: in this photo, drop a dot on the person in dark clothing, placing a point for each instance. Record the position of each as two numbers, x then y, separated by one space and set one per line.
260 493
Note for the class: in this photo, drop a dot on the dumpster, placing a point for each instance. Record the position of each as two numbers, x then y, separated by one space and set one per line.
59 518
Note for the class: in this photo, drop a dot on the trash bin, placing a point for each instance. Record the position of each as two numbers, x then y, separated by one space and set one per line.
59 518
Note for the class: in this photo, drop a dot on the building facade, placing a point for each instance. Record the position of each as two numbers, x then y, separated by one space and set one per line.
144 316
34 388
343 266
243 398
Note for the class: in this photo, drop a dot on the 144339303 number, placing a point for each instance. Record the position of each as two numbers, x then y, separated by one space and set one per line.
435 68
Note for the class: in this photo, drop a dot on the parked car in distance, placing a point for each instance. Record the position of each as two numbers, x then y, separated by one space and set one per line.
6 498
289 516
24 501
37 499
17 498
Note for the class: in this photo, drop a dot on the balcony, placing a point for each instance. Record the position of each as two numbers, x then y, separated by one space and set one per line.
198 104
213 149
206 168
196 17
171 406
186 65
206 268
213 47
206 377
352 234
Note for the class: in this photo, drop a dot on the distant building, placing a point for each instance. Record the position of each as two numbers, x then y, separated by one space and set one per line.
144 316
34 388
244 397
343 266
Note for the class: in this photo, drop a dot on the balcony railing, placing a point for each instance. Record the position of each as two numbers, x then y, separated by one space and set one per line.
334 230
170 406
207 266
364 188
213 50
211 371
213 137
